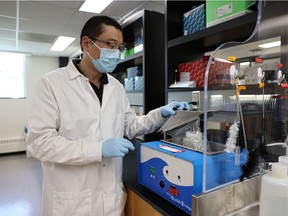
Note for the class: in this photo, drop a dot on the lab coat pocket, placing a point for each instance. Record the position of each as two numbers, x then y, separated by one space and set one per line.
72 203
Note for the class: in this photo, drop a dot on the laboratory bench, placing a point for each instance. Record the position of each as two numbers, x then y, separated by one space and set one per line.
150 201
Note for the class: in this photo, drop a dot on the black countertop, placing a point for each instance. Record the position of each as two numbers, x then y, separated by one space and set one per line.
130 178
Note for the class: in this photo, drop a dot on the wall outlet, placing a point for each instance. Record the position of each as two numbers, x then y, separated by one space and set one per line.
196 99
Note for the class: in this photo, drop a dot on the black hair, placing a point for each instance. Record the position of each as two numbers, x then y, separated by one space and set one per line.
94 27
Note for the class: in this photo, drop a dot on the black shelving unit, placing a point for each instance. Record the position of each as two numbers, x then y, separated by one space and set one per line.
180 49
152 58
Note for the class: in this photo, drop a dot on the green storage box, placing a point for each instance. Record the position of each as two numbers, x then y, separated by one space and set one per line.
221 11
124 54
131 51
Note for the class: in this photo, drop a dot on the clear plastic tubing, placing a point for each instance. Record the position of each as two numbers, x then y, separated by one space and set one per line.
259 7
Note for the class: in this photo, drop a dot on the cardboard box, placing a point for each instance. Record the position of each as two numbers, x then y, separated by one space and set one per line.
139 40
129 84
221 11
132 71
138 83
197 71
194 20
131 51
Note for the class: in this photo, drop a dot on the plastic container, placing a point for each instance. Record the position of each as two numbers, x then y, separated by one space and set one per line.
284 160
274 191
193 140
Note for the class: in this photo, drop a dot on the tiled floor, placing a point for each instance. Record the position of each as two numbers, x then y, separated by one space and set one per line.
20 185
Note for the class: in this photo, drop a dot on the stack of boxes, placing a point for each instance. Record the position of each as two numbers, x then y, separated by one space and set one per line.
197 70
129 84
194 20
138 83
134 80
204 16
134 46
213 13
138 43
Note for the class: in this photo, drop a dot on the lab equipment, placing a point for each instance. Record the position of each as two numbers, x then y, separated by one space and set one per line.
116 147
234 128
280 77
194 140
175 172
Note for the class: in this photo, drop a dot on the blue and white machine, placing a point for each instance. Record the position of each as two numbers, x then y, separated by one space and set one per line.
175 173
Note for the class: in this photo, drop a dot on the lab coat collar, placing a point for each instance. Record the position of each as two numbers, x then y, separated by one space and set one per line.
108 90
104 78
72 70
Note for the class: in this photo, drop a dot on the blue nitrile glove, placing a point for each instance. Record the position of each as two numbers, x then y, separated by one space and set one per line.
169 109
116 147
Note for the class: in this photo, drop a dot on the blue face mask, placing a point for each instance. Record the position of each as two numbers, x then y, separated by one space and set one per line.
109 58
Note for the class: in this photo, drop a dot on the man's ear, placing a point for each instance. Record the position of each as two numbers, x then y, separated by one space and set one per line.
84 43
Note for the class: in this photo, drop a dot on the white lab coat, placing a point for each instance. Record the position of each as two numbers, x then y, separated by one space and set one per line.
66 128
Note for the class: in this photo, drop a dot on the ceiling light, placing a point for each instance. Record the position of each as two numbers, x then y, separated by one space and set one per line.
270 45
62 43
95 6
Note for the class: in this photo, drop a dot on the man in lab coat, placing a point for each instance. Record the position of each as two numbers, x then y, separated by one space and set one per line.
76 123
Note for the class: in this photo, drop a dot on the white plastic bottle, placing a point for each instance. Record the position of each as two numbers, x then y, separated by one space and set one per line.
274 191
283 160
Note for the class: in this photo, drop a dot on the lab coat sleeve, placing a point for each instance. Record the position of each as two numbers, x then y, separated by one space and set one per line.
142 125
43 140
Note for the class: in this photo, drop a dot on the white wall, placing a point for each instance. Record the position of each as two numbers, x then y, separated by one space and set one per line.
13 112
